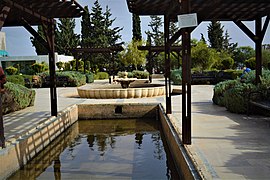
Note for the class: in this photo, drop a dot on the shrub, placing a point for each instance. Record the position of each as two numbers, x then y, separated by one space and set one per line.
122 74
220 89
176 76
236 98
89 77
233 94
74 78
67 66
265 79
11 70
140 74
60 65
16 79
101 75
39 67
251 63
227 63
65 78
17 97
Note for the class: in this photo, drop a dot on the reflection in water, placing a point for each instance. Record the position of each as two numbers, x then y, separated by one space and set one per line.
139 138
104 149
57 169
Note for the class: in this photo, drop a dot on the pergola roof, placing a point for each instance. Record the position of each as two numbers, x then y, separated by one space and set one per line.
97 50
159 49
36 11
207 10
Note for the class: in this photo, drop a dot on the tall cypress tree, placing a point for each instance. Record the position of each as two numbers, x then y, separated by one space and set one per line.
40 49
65 36
97 23
86 29
103 35
215 35
227 46
156 34
136 27
113 34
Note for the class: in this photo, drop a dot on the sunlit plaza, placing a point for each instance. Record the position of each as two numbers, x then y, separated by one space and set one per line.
178 100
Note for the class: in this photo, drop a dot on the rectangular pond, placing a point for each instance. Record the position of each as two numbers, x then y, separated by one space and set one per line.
105 149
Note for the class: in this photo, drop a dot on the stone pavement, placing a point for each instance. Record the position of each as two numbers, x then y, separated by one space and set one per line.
224 145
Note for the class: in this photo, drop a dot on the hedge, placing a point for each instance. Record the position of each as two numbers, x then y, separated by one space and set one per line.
16 79
64 79
233 94
101 75
89 77
17 97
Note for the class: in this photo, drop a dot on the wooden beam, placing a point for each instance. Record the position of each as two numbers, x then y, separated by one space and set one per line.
246 30
28 27
27 10
3 15
265 26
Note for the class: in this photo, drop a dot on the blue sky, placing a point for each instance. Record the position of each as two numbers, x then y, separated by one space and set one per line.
18 39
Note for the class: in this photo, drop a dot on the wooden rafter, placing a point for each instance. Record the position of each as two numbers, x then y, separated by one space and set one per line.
3 15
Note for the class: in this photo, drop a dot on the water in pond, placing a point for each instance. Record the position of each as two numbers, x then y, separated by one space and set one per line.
104 149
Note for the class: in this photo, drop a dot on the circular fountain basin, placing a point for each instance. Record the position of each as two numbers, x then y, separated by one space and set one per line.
114 91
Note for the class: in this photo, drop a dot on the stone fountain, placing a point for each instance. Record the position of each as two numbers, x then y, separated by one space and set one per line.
128 89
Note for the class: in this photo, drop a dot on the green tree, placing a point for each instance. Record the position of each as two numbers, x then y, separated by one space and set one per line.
112 34
215 35
40 49
86 29
65 36
173 30
241 54
251 63
202 57
103 35
131 54
202 38
156 34
136 27
227 46
266 58
98 25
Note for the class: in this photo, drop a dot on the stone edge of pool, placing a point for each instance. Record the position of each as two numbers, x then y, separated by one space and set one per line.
23 149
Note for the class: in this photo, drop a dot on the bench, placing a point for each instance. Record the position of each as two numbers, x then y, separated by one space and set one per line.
203 77
61 81
259 99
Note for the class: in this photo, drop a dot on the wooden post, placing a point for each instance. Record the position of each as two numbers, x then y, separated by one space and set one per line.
186 80
50 39
258 48
2 136
167 65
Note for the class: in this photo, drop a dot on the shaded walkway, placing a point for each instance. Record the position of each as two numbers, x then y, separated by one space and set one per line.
224 145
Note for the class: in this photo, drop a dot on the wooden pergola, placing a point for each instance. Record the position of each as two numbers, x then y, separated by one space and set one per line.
207 10
92 50
28 13
154 51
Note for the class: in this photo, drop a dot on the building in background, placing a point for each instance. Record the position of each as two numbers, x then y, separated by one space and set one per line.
25 62
3 51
